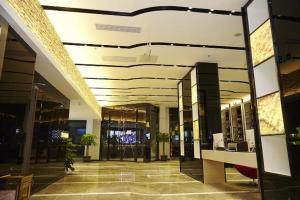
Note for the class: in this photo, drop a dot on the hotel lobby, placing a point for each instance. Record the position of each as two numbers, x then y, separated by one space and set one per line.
137 99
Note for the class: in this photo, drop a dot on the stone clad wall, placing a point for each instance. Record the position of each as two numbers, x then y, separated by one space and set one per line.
33 15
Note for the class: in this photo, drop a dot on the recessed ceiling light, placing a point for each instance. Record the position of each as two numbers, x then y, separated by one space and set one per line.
190 8
209 12
233 11
172 44
212 10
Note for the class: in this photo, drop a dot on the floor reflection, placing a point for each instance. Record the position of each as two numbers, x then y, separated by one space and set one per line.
129 180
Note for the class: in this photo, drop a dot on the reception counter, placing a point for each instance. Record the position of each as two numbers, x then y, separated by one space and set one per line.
213 163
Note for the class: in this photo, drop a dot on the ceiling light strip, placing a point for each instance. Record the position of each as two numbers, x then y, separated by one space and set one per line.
142 11
151 65
132 79
154 78
130 66
153 44
133 95
134 88
134 100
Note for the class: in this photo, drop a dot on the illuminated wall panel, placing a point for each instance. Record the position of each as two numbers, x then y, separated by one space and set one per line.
262 43
194 92
181 120
270 114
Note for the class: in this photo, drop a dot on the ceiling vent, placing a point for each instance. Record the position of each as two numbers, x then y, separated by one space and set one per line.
118 59
116 28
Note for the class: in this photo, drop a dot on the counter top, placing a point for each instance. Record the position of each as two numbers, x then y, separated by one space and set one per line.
239 158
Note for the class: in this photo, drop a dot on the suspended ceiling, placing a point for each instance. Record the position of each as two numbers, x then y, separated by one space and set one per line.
136 51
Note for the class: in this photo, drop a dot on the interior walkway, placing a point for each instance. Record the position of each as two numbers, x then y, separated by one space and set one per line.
129 180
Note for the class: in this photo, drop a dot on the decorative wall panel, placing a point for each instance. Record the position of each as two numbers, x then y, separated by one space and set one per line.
182 140
194 94
196 130
270 114
33 15
262 43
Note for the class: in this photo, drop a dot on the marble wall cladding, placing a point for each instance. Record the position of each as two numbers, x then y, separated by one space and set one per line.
270 114
182 148
181 133
180 103
196 130
193 77
194 94
262 43
33 15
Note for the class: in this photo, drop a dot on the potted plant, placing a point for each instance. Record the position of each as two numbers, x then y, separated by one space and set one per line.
70 154
88 140
163 137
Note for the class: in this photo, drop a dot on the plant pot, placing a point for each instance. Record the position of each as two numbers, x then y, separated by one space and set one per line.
163 158
86 158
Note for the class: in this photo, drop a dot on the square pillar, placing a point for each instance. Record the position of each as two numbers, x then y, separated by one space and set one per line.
272 34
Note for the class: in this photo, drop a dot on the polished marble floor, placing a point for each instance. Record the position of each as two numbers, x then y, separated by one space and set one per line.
128 180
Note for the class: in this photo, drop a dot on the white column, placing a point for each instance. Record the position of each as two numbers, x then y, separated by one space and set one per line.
93 126
164 128
80 111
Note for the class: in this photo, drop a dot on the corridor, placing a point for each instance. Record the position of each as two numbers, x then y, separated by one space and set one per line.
129 180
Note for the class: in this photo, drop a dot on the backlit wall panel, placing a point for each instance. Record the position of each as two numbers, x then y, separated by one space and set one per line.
270 114
262 43
181 120
269 106
196 134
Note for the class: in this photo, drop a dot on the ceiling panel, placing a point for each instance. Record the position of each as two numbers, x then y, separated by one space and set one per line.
221 32
132 5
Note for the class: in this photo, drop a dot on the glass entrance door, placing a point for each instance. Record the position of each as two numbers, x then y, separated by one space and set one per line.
122 144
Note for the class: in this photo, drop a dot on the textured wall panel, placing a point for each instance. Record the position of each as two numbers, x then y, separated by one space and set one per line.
262 43
270 114
33 15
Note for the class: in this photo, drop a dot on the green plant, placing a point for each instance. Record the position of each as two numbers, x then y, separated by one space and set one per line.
163 137
88 140
70 154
